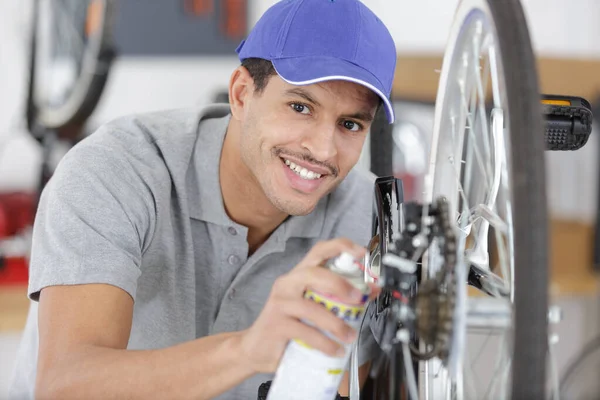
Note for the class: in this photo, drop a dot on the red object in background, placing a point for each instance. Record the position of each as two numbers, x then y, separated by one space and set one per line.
17 211
199 7
234 18
233 15
14 271
409 185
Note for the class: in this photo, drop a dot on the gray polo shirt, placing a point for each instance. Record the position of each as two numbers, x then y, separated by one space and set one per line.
138 205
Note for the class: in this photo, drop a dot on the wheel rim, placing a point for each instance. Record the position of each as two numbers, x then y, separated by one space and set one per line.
471 168
69 42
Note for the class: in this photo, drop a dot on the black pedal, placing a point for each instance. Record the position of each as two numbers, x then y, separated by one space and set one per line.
263 391
568 122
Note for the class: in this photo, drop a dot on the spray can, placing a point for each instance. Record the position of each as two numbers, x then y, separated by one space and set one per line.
305 373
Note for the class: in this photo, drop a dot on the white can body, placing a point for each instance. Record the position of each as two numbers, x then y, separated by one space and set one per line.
306 373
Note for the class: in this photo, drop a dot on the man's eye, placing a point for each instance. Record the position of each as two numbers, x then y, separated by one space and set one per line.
352 126
300 108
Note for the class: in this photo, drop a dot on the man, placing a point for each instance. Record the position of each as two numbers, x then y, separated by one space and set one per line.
171 249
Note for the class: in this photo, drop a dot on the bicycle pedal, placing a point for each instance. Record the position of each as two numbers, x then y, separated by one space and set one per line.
568 122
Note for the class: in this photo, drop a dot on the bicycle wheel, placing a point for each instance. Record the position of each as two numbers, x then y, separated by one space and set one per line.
487 160
71 52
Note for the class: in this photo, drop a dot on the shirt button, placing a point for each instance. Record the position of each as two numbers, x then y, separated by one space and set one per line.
231 294
232 231
233 259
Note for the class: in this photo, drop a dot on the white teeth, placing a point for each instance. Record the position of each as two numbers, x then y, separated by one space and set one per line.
303 172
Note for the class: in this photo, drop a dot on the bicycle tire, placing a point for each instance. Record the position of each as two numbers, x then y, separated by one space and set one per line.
90 83
527 176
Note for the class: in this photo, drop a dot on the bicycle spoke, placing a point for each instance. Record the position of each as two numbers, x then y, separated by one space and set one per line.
484 212
477 108
470 383
468 152
504 377
480 251
478 233
481 102
471 125
472 373
494 74
466 209
498 368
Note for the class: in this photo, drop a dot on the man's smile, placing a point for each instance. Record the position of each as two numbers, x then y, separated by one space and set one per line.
307 178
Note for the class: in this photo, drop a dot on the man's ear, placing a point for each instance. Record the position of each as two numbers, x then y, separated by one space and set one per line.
241 86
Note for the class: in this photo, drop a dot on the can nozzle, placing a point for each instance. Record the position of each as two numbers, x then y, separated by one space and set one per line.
345 262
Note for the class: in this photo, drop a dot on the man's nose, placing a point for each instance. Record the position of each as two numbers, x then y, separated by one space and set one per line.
321 142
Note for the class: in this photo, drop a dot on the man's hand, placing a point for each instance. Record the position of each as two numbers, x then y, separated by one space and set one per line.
264 342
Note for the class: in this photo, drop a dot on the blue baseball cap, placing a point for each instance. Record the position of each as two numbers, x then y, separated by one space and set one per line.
312 41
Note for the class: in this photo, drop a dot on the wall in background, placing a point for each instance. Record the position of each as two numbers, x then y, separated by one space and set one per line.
417 27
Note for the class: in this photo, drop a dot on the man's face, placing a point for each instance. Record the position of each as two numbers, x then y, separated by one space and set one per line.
300 142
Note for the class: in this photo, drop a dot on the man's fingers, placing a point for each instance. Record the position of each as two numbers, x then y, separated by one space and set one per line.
323 251
320 317
320 280
375 290
312 337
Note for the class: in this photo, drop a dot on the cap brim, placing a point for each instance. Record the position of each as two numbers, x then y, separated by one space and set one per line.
308 70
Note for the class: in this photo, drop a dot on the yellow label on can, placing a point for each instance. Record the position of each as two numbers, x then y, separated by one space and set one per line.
302 343
348 312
